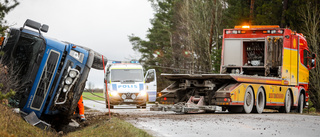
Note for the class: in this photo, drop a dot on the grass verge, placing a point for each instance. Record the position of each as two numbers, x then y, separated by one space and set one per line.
88 95
114 127
12 124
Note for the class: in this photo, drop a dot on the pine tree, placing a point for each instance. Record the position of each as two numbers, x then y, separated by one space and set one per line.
5 7
157 50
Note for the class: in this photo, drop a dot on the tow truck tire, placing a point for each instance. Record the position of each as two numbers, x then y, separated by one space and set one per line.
301 103
287 102
260 101
248 100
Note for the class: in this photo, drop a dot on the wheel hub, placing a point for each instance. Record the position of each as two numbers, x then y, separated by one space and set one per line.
248 99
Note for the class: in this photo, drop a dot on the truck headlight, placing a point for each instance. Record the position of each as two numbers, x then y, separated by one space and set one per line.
72 73
68 80
65 88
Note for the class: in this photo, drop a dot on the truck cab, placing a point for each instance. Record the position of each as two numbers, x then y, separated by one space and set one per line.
127 85
53 73
268 51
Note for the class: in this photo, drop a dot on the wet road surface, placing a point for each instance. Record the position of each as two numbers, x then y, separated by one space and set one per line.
216 124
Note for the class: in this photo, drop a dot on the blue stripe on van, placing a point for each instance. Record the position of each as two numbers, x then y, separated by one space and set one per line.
141 87
114 87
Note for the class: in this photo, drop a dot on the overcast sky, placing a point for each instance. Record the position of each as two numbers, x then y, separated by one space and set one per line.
102 25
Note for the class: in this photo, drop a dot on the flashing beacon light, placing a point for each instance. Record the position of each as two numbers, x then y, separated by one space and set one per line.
245 27
116 61
134 62
257 27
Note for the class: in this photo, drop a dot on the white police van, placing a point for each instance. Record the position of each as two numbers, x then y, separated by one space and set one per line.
127 85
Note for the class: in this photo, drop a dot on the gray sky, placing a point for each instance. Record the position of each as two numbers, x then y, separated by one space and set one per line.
102 25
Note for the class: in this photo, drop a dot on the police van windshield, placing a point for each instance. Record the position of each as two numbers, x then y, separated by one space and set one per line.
126 75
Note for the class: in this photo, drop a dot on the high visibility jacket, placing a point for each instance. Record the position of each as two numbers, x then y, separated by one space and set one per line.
80 106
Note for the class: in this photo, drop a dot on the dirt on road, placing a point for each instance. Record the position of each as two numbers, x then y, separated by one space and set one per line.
92 117
225 124
267 124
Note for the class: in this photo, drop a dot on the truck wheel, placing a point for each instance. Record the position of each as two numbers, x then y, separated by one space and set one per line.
301 103
248 100
260 101
287 102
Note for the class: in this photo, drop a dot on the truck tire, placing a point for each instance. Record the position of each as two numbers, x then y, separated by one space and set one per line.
301 103
248 100
287 102
260 100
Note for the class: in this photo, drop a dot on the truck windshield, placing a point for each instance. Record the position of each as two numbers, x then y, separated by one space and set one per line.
26 52
126 75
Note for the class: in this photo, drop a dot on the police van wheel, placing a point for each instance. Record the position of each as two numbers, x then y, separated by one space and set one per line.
142 106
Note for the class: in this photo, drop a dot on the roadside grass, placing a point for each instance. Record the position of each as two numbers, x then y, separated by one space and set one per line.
89 96
11 124
114 127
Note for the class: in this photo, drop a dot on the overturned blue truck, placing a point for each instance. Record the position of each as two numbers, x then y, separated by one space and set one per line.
52 73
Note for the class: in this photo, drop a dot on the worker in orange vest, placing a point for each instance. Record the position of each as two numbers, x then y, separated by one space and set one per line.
81 109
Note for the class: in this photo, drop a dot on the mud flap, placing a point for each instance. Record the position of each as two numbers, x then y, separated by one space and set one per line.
35 121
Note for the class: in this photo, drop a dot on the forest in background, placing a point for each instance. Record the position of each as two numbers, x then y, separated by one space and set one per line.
185 34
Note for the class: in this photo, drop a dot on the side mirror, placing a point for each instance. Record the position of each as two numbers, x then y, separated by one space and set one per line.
44 28
32 24
313 61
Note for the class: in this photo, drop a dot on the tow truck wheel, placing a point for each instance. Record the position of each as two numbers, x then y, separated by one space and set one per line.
248 100
260 100
287 102
301 104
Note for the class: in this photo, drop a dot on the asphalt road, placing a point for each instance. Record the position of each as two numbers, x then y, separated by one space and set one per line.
216 124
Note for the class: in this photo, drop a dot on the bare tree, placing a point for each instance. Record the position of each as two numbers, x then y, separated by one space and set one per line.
10 84
310 15
199 26
90 86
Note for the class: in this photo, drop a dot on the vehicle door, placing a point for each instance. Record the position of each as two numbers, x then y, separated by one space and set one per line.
151 84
